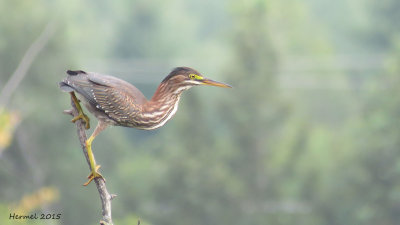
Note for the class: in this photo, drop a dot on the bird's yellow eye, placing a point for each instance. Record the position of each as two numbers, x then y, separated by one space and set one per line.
193 76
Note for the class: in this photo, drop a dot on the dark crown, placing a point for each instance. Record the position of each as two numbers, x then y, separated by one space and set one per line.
180 71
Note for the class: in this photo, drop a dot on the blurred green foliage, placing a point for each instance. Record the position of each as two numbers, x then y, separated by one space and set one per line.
308 135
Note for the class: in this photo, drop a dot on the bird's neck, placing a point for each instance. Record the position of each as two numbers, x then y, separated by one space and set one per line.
162 106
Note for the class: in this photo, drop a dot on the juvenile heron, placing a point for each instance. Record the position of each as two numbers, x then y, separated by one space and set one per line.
116 102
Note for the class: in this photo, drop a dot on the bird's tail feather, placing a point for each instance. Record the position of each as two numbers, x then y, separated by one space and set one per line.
75 72
65 87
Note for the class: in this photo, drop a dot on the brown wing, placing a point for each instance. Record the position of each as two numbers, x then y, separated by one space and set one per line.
117 104
118 99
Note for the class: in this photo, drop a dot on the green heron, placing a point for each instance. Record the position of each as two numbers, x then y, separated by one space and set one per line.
116 102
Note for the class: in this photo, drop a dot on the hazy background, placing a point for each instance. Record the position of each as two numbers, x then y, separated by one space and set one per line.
308 135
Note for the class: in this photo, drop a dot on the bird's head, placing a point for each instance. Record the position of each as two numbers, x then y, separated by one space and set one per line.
184 78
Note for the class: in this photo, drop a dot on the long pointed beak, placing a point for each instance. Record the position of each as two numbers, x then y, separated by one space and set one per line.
206 81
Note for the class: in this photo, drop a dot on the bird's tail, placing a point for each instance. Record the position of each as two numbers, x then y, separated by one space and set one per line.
75 72
64 85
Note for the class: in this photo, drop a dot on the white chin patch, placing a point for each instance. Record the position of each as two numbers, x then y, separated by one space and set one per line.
179 90
193 82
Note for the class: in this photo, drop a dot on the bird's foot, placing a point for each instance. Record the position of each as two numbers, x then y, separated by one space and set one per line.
94 174
84 117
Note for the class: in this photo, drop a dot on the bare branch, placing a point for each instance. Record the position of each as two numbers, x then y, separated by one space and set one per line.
26 62
105 196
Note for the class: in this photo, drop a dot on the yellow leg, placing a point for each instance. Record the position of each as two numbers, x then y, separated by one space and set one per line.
92 162
81 115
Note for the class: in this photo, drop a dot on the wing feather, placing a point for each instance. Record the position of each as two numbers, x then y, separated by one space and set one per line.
117 104
118 99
